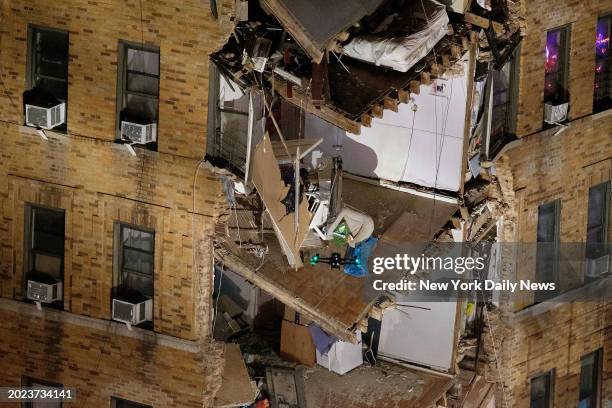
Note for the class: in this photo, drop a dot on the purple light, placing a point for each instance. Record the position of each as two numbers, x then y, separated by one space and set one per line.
602 38
552 51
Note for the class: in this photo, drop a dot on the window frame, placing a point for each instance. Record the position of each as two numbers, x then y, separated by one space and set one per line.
122 83
118 291
551 387
27 381
598 105
117 402
31 65
119 247
564 51
604 212
554 247
30 250
598 371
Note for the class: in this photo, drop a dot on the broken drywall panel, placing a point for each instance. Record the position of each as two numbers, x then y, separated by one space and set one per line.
420 333
272 190
422 143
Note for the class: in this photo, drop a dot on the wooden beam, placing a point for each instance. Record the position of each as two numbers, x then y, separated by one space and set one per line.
403 95
425 78
377 111
467 128
390 103
455 51
483 22
323 112
415 87
366 120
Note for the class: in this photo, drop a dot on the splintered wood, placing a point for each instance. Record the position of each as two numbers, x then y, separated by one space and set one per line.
272 190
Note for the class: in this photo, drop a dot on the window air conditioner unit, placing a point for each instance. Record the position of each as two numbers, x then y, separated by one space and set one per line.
132 313
138 133
45 118
44 292
555 113
597 267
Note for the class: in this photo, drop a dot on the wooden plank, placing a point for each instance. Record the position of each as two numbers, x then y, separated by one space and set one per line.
272 190
377 111
366 120
390 103
236 390
425 78
469 101
404 96
483 22
296 344
305 146
293 27
323 112
415 87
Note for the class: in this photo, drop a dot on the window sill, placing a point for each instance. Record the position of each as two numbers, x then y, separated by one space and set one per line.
109 326
593 291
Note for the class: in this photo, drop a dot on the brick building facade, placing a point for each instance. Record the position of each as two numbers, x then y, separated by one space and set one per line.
98 185
549 163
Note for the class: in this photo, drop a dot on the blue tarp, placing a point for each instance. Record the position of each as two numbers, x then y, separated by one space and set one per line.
360 253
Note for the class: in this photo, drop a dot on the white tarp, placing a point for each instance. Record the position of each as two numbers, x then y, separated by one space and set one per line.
428 154
401 52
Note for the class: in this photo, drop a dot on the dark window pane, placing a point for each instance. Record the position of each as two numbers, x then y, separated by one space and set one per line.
52 244
138 239
143 61
141 283
48 221
589 380
541 392
136 260
52 53
142 83
547 222
141 107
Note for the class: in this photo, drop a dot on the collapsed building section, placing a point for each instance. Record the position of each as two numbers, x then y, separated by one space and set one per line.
335 135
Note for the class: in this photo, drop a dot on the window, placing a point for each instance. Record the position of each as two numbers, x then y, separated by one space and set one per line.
547 262
40 384
556 66
501 94
597 222
590 380
47 68
121 403
542 390
137 86
602 95
44 252
133 266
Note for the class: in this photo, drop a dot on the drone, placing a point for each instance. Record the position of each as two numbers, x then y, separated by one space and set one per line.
335 260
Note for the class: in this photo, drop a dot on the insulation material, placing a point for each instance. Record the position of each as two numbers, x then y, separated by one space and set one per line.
272 190
428 154
420 333
401 52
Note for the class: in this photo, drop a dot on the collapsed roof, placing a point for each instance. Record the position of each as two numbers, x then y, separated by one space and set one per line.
357 61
